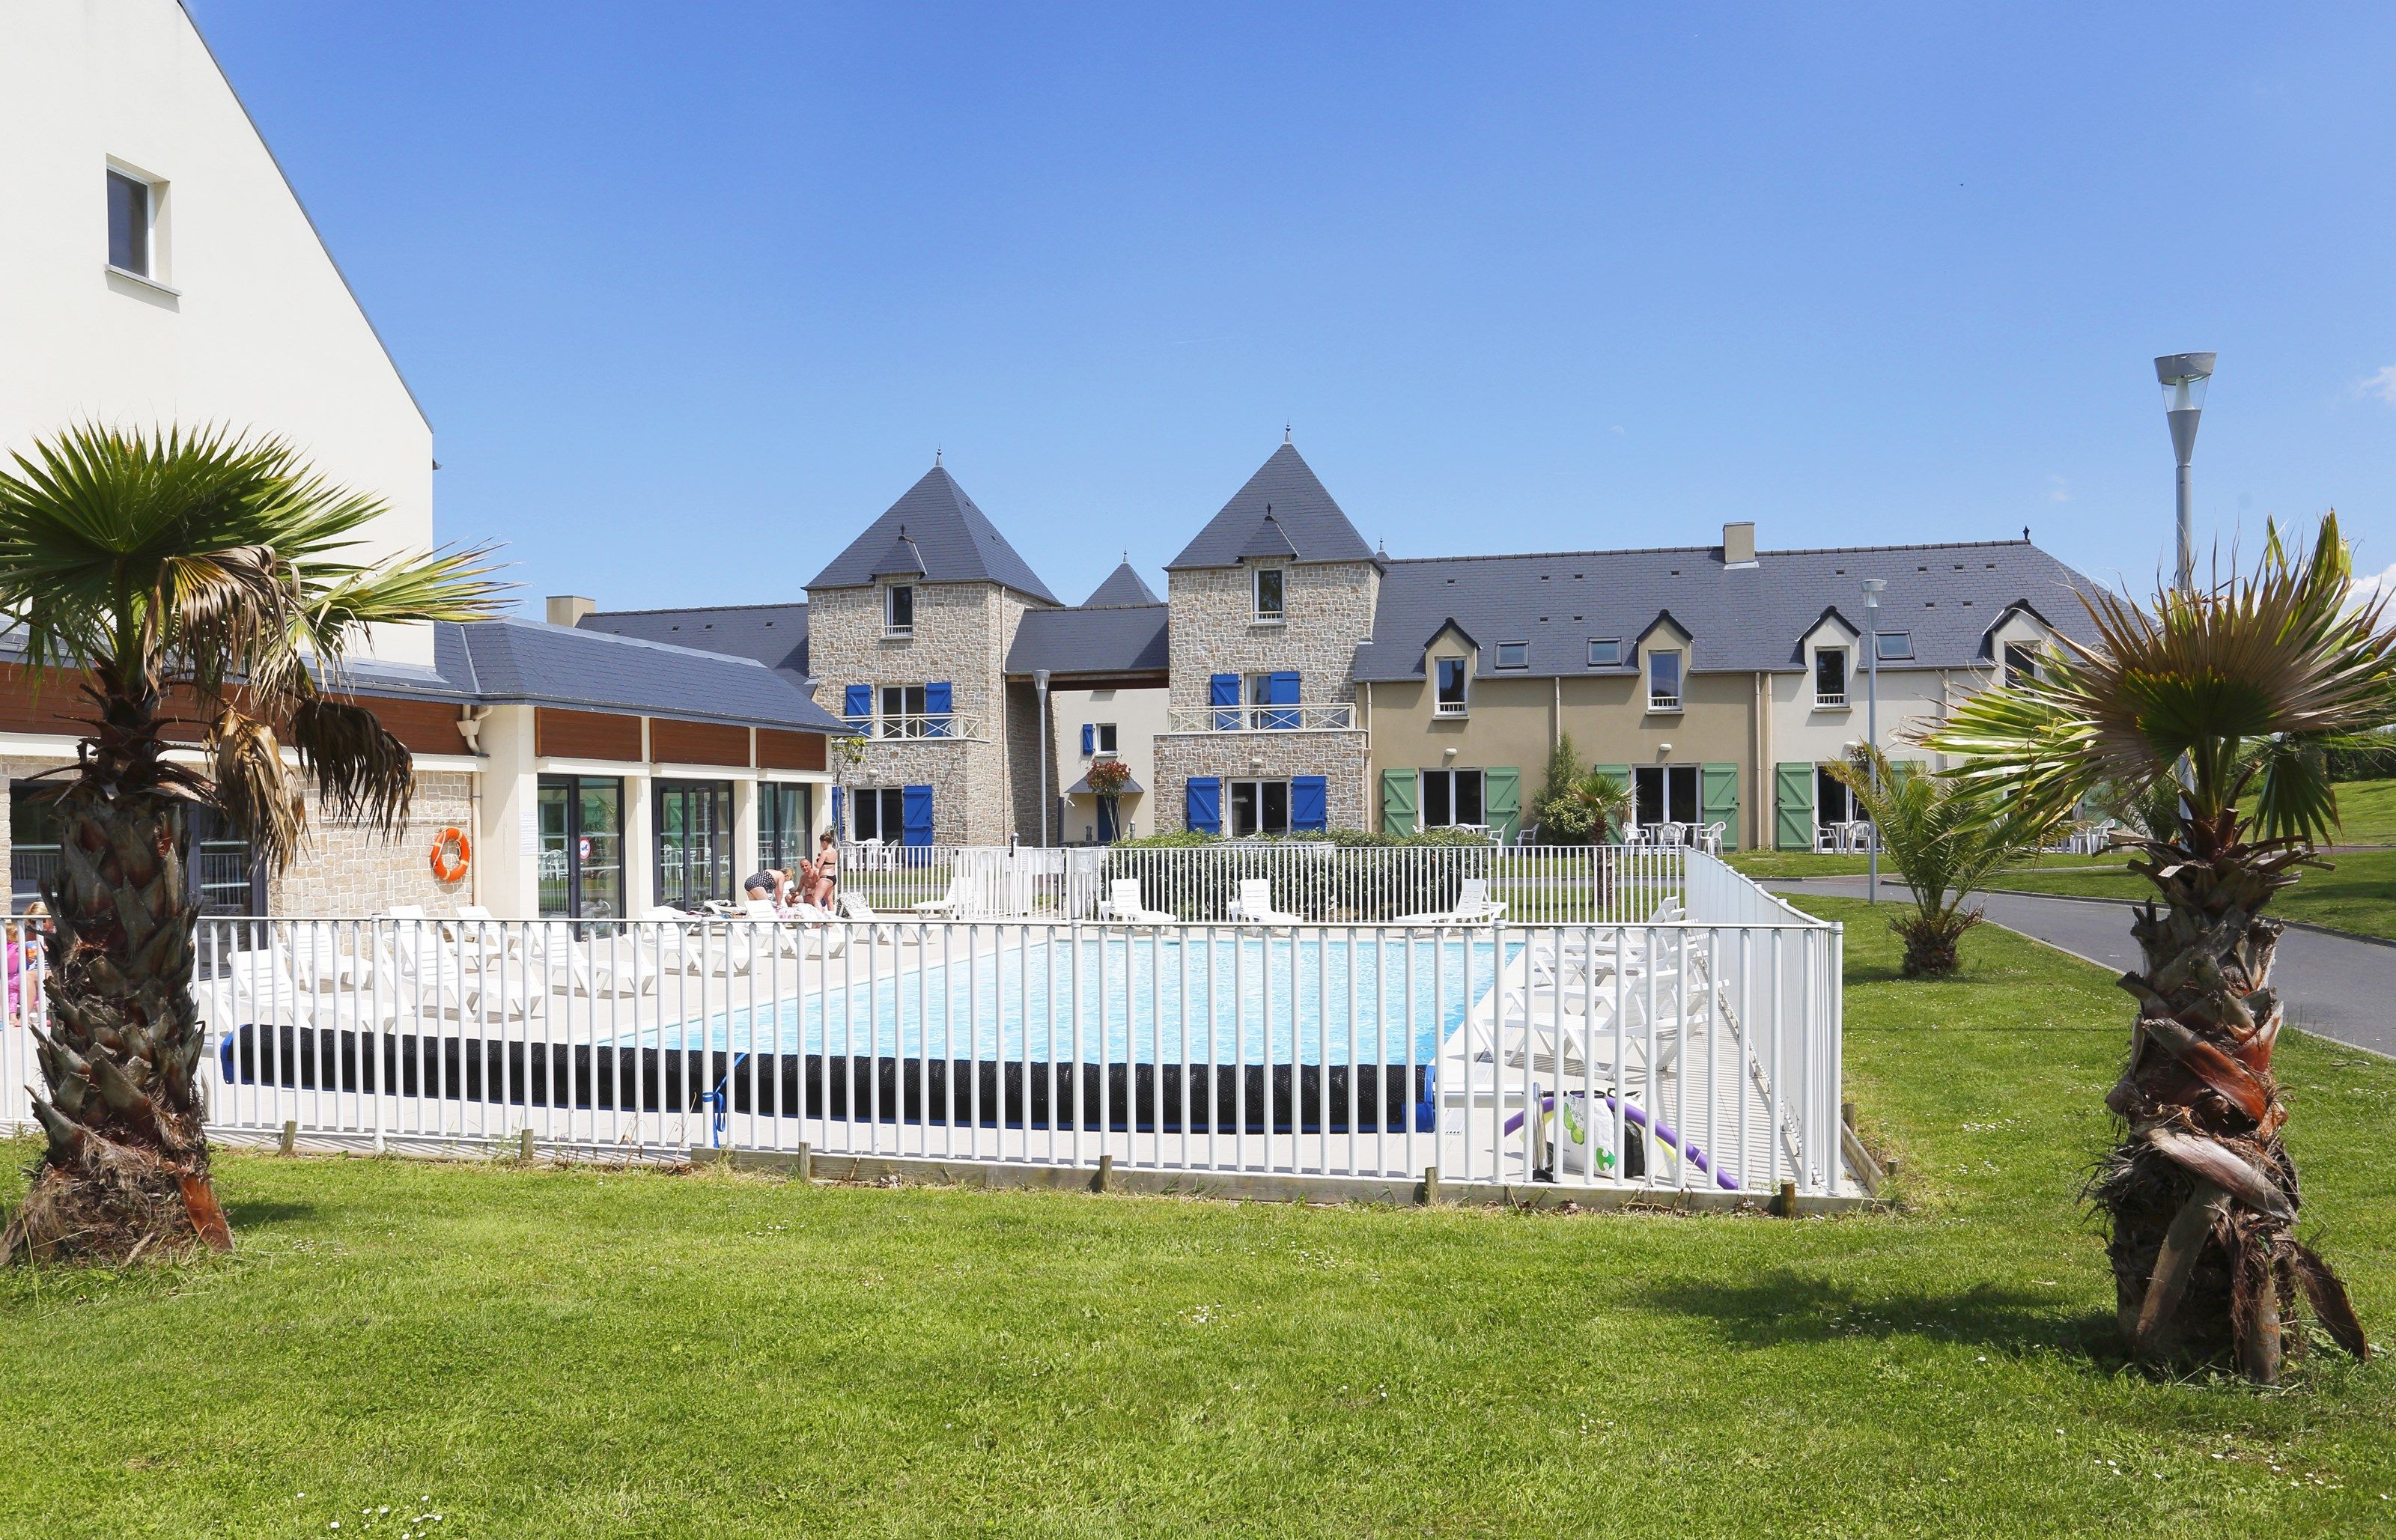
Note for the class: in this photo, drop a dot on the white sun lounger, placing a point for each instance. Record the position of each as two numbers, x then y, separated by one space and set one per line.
1126 903
1253 907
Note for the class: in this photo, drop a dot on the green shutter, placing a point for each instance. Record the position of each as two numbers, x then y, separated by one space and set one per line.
1501 800
1398 802
1622 774
1793 806
1718 796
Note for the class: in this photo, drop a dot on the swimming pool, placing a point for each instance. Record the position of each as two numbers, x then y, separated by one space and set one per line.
1123 998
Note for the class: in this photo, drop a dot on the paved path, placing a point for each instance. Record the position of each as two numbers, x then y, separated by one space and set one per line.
2335 986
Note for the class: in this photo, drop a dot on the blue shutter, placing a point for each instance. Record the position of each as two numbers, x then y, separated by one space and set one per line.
915 810
1089 738
1308 805
937 699
1281 689
861 701
1203 804
839 831
1224 690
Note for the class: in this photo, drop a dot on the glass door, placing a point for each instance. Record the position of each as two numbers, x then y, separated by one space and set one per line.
582 859
694 843
784 814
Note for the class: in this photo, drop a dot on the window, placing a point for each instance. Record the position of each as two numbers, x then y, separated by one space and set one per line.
784 816
1452 676
129 224
1663 681
879 812
1259 807
1514 654
1664 793
899 614
1604 651
903 710
1833 802
1103 739
2021 662
34 841
1451 798
1279 690
1896 644
1830 676
694 843
581 857
1268 594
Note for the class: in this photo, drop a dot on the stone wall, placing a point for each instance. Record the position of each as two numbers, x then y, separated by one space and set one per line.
1329 609
348 871
1338 757
1025 744
961 635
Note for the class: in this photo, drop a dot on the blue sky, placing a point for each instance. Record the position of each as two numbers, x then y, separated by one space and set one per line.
691 293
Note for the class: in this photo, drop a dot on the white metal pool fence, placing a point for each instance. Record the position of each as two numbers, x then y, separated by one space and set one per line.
1697 1054
1316 879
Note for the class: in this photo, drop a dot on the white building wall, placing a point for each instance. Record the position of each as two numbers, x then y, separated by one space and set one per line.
249 324
1139 717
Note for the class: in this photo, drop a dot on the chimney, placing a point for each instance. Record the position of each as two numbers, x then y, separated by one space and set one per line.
1738 545
568 609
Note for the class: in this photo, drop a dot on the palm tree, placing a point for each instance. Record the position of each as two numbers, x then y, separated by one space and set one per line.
215 568
2241 684
1578 805
1942 841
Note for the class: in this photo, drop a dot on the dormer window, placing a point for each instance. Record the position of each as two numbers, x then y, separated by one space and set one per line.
1451 700
1663 680
898 610
2021 662
1268 596
1830 676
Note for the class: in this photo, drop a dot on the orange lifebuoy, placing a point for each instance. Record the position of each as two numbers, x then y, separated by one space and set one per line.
444 867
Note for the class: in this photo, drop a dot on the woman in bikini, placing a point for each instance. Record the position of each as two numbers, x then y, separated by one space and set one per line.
820 877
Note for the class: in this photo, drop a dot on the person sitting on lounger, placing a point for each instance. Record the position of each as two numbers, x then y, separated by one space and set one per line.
820 877
769 884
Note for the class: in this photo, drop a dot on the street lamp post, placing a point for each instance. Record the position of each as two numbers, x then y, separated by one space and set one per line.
2184 377
1872 587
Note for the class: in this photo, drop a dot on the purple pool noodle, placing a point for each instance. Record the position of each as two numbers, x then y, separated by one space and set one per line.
1663 1131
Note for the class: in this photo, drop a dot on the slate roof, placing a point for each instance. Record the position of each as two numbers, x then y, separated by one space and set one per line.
953 542
513 661
1306 522
1123 586
1741 619
1092 639
775 635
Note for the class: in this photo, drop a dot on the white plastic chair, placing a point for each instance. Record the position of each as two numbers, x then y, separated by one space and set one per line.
1126 903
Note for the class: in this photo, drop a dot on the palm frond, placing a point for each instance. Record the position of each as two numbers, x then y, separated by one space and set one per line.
255 788
2282 654
362 772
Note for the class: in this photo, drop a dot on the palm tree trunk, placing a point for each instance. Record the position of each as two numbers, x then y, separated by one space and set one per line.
125 1171
2201 1195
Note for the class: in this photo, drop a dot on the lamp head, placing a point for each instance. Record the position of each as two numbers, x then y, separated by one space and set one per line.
1873 587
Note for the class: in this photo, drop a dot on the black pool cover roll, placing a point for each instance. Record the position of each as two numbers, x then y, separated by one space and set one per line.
1012 1092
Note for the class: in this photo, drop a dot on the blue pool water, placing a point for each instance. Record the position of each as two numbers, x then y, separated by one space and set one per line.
1253 999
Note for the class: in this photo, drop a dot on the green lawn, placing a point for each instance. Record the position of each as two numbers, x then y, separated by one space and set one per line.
584 1352
2359 895
1806 863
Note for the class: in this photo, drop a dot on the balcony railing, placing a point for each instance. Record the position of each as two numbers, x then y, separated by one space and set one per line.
1449 708
1322 716
1663 703
1835 698
947 724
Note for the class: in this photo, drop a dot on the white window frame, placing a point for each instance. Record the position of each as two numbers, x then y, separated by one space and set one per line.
1514 667
1597 641
891 626
1279 614
156 271
902 722
1257 786
1462 705
1103 739
1846 675
1447 777
1664 776
1680 673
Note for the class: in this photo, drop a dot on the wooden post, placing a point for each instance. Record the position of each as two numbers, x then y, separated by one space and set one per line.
1848 1113
806 1163
524 1144
1431 1186
290 1135
1787 1199
1106 1171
